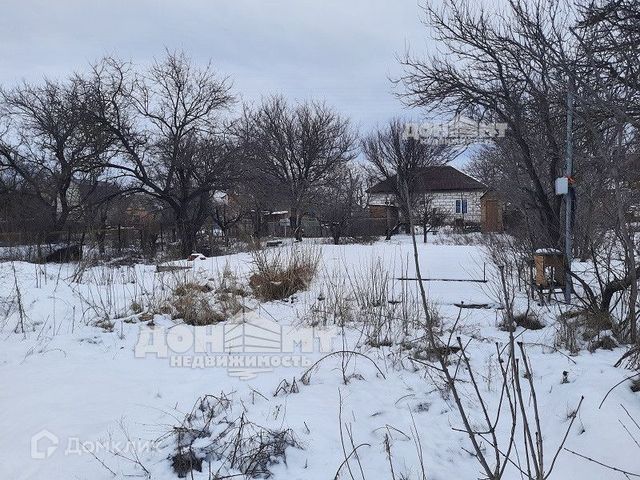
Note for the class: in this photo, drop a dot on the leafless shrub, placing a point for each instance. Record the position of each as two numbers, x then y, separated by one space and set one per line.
107 293
371 287
280 273
18 253
229 293
22 316
212 432
363 239
389 315
515 255
630 359
81 267
567 334
351 447
334 305
7 307
518 405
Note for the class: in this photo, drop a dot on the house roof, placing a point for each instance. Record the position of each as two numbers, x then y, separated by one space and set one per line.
435 179
96 192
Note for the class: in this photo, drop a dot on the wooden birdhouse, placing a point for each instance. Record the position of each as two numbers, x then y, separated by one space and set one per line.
550 269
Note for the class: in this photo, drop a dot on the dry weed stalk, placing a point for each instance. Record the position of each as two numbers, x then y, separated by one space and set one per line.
386 315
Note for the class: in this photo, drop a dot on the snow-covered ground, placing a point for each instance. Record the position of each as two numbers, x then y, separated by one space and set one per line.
70 381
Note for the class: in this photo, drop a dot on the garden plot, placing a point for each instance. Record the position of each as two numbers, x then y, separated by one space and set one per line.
68 368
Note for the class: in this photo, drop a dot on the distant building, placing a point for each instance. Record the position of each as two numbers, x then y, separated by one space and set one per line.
458 198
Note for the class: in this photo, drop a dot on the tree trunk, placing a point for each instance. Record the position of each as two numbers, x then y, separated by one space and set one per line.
335 234
630 263
633 299
257 224
424 229
616 286
61 218
187 236
296 223
101 235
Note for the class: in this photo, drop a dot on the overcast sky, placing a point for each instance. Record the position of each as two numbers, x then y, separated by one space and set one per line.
343 51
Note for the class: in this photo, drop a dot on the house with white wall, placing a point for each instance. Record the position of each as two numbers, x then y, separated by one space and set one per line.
456 196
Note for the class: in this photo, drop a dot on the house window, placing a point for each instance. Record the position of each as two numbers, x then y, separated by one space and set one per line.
461 205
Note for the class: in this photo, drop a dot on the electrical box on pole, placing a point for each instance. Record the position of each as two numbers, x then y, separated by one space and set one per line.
562 186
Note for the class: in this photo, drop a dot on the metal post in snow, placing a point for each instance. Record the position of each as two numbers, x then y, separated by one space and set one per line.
568 233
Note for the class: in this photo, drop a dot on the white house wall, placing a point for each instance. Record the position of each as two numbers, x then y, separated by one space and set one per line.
445 202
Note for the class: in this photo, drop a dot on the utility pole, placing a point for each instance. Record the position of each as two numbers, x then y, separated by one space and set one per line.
568 206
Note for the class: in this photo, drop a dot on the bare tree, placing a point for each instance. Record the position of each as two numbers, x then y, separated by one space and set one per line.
607 96
227 211
341 203
402 162
430 218
608 33
503 66
48 144
299 148
171 133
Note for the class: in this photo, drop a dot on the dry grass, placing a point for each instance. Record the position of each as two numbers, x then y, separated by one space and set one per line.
529 320
188 297
606 342
195 310
203 304
387 312
580 329
230 294
190 288
280 273
191 303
